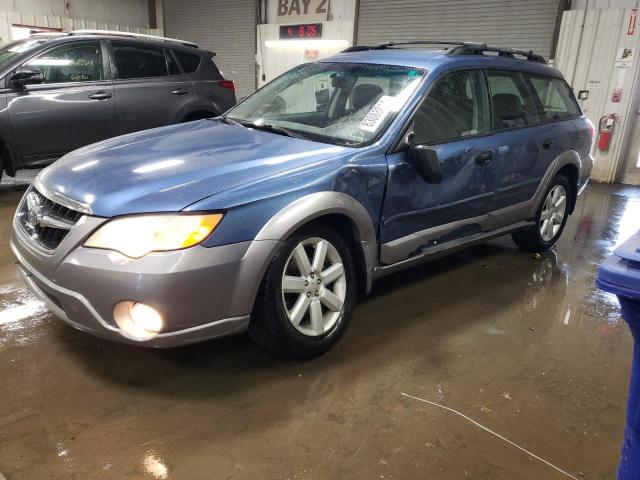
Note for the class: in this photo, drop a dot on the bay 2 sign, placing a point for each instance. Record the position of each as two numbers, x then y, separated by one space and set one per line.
304 10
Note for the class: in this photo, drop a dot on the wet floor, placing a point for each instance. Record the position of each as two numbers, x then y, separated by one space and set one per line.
526 347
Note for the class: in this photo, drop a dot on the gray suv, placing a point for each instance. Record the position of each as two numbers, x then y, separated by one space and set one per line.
63 91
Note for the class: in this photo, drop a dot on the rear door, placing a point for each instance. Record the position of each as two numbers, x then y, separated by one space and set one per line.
454 120
73 107
151 90
526 145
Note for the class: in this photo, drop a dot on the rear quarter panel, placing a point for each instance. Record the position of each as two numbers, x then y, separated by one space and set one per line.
574 135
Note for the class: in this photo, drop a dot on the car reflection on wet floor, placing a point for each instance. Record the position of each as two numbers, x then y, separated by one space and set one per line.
525 345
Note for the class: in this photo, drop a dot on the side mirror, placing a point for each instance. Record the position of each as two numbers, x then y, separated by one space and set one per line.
425 160
27 75
322 99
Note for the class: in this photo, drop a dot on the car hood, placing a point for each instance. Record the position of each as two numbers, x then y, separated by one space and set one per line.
167 169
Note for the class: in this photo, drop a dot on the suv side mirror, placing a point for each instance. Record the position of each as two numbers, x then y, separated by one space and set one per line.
425 160
27 75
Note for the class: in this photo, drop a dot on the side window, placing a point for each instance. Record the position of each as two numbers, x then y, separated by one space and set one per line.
138 61
171 64
556 98
189 61
73 62
456 107
512 101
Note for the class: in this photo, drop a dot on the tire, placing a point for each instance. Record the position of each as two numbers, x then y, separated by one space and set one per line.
192 117
550 218
295 319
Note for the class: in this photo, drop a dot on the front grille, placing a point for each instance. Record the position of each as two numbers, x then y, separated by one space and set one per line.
45 221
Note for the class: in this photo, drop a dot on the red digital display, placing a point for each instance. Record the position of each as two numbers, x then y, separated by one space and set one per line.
299 31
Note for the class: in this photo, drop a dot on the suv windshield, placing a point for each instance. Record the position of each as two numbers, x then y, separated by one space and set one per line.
341 103
11 50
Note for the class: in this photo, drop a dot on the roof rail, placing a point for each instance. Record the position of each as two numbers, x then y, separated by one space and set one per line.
502 52
132 35
458 48
382 46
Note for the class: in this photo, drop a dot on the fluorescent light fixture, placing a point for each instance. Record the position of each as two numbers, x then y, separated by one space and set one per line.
305 43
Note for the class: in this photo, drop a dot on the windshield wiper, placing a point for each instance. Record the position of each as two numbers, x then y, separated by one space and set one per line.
272 127
269 127
229 120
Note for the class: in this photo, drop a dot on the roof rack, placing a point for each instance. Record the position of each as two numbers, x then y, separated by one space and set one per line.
132 35
458 48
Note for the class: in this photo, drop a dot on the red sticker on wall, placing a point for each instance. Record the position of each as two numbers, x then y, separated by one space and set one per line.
632 22
616 95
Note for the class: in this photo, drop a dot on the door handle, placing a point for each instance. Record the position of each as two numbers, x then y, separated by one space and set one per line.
546 144
484 158
179 91
100 96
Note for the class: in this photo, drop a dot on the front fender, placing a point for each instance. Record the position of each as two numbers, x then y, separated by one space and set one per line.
315 205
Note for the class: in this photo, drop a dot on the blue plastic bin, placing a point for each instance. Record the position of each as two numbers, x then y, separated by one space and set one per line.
620 274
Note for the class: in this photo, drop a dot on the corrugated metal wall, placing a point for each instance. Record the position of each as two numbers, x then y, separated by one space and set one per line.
512 23
227 27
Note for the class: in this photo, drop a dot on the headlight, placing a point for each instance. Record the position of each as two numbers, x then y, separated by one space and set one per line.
138 235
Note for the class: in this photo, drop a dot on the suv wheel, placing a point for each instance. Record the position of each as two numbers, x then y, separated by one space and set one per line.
307 296
550 219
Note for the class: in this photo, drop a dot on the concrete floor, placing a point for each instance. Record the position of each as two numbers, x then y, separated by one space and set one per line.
525 346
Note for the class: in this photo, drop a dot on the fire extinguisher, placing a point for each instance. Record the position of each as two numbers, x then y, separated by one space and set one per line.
605 131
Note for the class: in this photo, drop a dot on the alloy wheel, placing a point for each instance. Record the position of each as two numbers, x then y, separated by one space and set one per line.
314 286
553 212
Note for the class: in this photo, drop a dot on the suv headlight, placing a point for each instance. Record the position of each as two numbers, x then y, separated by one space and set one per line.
138 235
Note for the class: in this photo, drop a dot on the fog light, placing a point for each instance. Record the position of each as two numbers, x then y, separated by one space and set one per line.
137 320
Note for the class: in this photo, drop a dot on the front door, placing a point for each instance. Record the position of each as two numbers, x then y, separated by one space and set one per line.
72 108
454 120
151 91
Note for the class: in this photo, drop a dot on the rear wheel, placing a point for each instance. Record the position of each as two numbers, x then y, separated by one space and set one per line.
550 219
307 296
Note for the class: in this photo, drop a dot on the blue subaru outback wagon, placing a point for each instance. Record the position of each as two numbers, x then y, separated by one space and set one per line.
275 217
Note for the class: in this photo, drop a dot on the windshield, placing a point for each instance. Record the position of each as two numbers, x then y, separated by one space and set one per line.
341 103
11 50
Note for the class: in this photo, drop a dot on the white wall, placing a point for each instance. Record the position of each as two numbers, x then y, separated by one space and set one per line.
305 11
133 13
275 56
589 47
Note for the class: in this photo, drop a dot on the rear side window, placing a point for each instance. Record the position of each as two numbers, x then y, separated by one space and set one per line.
171 64
139 61
512 101
189 61
555 97
456 107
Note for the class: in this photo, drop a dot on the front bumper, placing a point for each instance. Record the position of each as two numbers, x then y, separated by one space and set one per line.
202 293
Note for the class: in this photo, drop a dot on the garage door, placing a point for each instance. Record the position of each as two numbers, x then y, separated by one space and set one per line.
227 27
505 23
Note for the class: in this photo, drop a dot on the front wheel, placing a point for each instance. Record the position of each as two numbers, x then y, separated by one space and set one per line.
550 219
307 296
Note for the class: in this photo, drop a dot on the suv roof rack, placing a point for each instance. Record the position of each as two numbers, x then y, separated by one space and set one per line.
458 48
132 35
